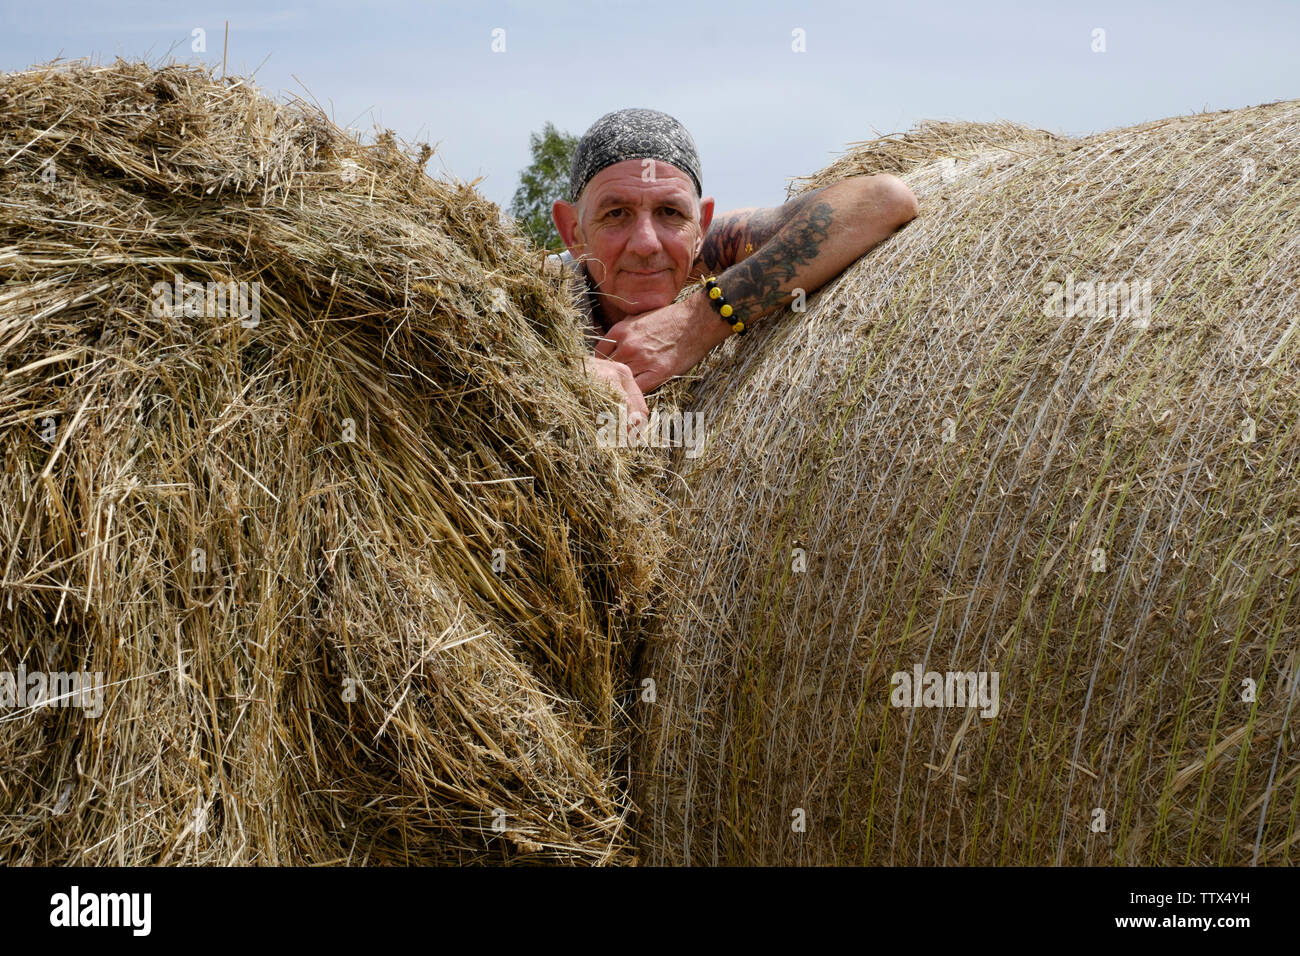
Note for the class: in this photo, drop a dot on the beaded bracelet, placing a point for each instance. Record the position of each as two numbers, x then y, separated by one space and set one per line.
719 302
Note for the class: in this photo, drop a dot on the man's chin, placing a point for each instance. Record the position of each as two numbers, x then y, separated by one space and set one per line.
638 300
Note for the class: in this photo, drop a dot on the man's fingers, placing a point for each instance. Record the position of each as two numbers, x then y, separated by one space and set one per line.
648 381
636 405
620 352
605 347
635 398
620 377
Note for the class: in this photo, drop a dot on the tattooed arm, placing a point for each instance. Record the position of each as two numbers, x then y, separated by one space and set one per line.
760 257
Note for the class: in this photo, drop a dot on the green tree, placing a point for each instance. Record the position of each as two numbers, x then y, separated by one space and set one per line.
545 180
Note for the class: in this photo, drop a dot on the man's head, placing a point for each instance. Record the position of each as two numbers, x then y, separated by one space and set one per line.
635 210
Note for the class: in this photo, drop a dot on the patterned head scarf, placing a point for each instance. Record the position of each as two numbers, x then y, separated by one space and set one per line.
633 134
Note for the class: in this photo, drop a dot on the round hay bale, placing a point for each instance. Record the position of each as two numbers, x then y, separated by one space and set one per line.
1045 435
296 460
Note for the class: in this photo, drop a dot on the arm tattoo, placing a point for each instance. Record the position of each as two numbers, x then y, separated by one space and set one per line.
737 235
723 243
757 285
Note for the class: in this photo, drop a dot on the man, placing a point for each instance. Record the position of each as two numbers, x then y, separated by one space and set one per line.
638 229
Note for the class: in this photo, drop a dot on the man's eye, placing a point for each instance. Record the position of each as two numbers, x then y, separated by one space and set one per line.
675 212
612 212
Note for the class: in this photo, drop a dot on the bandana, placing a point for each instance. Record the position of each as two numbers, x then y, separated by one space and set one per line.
633 134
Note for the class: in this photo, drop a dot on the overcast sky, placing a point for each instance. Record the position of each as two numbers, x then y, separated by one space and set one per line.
760 112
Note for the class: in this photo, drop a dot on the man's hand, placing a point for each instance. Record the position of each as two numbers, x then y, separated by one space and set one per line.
659 344
620 377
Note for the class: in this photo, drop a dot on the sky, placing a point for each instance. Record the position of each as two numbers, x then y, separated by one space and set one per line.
768 90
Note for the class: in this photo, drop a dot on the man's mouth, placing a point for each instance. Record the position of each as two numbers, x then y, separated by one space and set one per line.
653 272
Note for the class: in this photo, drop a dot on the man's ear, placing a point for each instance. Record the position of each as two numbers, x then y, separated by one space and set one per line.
706 217
565 216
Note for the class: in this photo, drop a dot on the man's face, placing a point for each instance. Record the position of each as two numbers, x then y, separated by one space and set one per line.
640 234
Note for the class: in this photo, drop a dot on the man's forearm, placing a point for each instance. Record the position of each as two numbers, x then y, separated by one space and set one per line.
831 229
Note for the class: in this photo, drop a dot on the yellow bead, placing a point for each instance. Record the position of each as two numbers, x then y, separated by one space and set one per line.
738 327
715 293
726 311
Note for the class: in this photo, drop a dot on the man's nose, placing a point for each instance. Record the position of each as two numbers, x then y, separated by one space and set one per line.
644 241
